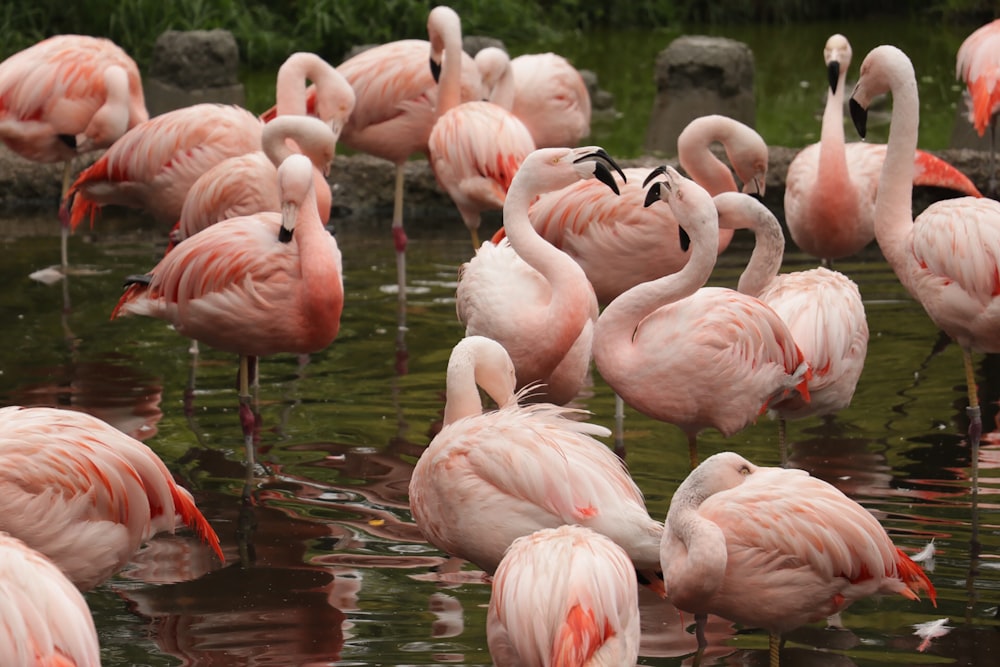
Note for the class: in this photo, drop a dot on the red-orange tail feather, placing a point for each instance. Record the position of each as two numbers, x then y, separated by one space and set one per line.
914 577
579 637
196 520
934 171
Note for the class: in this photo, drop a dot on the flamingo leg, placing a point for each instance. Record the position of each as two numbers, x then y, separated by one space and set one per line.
975 431
693 449
700 622
247 422
619 427
782 441
474 233
774 643
64 220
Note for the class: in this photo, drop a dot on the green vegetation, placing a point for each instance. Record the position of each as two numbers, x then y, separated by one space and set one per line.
267 30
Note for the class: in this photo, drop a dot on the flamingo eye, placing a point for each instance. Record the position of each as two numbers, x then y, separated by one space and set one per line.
744 470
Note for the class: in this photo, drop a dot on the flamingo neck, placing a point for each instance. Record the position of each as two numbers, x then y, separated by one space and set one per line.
617 326
462 397
290 89
833 173
694 152
696 573
740 211
450 83
894 201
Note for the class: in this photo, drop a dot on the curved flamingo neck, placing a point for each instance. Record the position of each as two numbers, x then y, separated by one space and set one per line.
313 138
698 573
694 152
833 174
740 211
616 327
462 397
893 204
449 31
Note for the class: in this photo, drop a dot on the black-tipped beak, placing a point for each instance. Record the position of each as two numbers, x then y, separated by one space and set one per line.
68 139
684 239
605 176
860 117
602 170
435 70
833 75
653 194
659 171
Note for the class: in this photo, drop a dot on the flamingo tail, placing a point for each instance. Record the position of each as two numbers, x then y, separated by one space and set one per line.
195 520
934 171
578 638
914 578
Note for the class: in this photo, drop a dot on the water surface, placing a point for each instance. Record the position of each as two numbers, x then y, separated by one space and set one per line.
328 568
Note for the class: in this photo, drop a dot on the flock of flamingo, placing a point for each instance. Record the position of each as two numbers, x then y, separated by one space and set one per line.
594 265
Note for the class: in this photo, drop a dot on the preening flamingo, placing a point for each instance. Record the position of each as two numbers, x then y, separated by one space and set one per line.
396 100
547 93
564 596
85 494
696 357
948 259
621 244
44 619
488 478
978 65
775 548
831 186
154 165
822 308
254 286
475 148
67 95
530 296
248 184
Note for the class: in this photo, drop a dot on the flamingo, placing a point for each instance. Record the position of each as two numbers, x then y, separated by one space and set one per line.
488 478
831 186
85 494
620 244
248 184
978 65
67 95
254 286
526 294
547 93
44 619
775 548
154 165
696 357
475 147
948 259
822 308
396 100
564 596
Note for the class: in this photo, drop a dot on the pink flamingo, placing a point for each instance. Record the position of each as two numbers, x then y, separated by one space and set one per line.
564 596
831 186
67 95
154 165
488 478
775 548
696 357
822 308
546 92
475 147
978 65
619 243
248 184
254 286
44 619
88 495
396 100
530 296
948 259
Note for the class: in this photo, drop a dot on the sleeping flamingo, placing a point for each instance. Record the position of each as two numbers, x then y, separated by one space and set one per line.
775 548
248 184
822 308
536 466
44 619
696 357
155 164
978 65
948 259
621 244
67 95
475 147
254 286
530 296
563 596
85 494
831 186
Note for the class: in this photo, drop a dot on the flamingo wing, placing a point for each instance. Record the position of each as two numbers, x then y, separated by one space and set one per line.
978 64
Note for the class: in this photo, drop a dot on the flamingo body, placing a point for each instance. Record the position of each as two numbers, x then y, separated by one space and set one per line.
551 99
85 494
238 287
56 99
775 548
44 619
564 596
831 186
488 478
978 65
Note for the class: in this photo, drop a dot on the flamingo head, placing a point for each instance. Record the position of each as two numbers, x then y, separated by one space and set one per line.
883 67
594 161
837 56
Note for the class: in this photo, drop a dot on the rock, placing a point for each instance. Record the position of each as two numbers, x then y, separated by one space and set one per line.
696 76
193 66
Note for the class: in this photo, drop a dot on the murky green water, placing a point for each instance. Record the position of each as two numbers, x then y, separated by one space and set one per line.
335 572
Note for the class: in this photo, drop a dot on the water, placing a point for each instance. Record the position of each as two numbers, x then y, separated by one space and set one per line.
335 572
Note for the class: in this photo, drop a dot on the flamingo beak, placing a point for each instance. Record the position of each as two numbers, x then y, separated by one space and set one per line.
654 193
833 75
659 171
860 117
